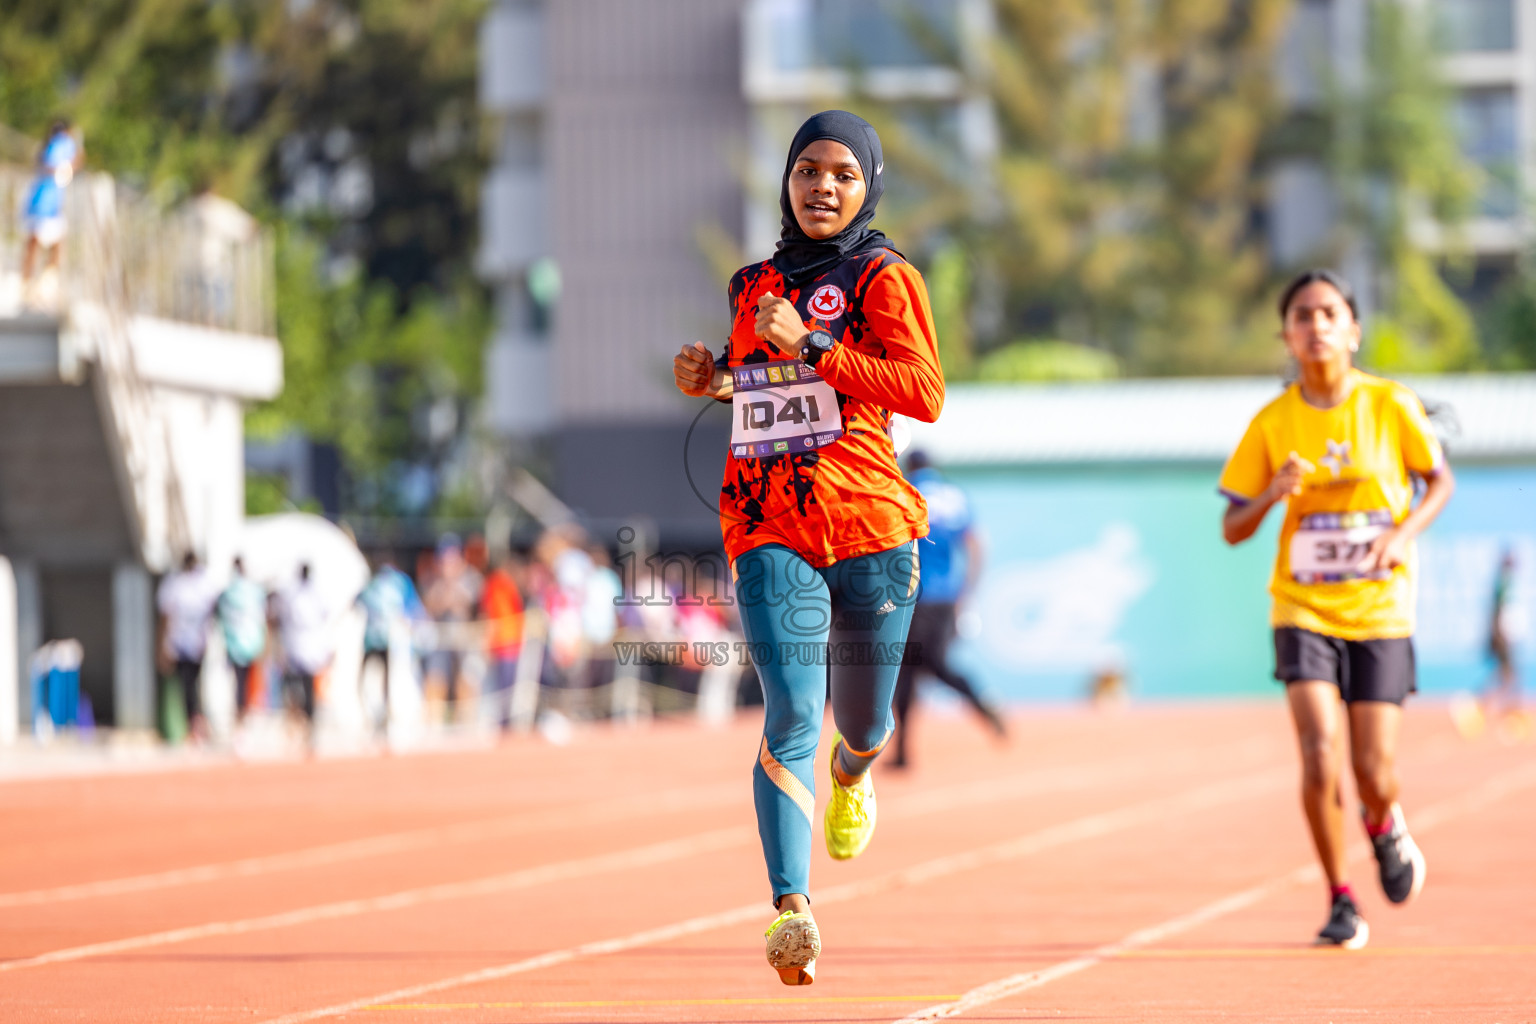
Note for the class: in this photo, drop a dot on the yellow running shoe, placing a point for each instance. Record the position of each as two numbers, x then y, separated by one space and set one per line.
793 946
850 820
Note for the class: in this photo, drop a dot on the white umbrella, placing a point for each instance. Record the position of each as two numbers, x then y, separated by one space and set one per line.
273 548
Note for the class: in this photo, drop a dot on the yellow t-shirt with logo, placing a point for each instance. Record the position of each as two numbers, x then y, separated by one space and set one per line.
1362 451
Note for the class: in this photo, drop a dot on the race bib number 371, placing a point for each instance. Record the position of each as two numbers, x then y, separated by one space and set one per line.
1328 547
780 409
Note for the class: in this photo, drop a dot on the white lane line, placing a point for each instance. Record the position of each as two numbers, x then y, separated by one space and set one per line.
1423 821
994 790
524 878
676 849
1090 826
1032 783
396 842
1235 756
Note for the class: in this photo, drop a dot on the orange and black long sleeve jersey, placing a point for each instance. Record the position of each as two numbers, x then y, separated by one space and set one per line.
848 498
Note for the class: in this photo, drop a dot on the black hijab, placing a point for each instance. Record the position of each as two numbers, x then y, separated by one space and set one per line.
801 258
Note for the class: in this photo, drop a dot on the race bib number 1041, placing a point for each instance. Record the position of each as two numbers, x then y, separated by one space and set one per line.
782 408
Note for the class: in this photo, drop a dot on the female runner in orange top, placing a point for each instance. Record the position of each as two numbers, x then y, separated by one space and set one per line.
829 338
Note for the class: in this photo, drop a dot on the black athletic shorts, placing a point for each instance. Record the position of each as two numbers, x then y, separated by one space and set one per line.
1361 669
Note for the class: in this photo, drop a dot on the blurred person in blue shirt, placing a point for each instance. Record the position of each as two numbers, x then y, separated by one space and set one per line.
43 211
389 597
950 563
242 616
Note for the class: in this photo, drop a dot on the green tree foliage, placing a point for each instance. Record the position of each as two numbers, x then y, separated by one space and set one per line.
1123 210
355 115
1046 361
140 78
948 282
386 387
384 88
351 121
1396 163
1510 321
1215 63
1117 214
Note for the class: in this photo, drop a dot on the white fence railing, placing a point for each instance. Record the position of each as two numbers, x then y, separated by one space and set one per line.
201 262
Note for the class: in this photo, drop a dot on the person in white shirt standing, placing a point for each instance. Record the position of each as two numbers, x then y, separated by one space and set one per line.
308 645
186 601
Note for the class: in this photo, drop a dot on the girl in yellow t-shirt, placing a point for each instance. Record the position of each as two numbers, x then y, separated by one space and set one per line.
1342 448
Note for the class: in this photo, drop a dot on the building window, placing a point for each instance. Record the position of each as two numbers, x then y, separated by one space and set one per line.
885 34
1470 25
807 34
1487 126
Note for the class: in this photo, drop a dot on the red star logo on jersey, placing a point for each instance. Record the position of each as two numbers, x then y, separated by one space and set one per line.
827 302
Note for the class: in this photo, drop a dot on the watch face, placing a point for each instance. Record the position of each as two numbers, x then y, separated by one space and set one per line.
820 339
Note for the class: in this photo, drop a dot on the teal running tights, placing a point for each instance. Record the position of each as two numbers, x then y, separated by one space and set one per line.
847 622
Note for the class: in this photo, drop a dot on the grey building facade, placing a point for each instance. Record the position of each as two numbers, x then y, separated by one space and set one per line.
639 146
1488 59
621 142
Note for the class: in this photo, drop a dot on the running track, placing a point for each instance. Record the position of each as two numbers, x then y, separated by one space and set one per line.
1146 865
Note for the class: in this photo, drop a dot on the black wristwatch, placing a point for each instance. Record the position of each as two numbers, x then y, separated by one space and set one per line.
817 344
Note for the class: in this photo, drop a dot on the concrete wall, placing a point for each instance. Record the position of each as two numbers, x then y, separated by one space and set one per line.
645 127
67 519
10 656
77 604
59 499
207 435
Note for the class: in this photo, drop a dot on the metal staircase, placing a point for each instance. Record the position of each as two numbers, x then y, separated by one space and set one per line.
122 377
126 262
96 325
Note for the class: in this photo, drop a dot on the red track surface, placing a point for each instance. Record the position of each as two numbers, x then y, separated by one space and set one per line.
480 887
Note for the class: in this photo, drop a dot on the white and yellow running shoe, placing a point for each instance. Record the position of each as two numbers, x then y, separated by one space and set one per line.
793 946
850 819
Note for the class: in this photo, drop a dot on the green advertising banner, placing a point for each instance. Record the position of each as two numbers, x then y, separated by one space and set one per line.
1123 568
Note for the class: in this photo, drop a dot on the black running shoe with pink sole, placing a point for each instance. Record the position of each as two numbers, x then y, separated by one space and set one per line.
1345 928
1398 860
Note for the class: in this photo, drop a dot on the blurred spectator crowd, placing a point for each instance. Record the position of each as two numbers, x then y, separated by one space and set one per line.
460 640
